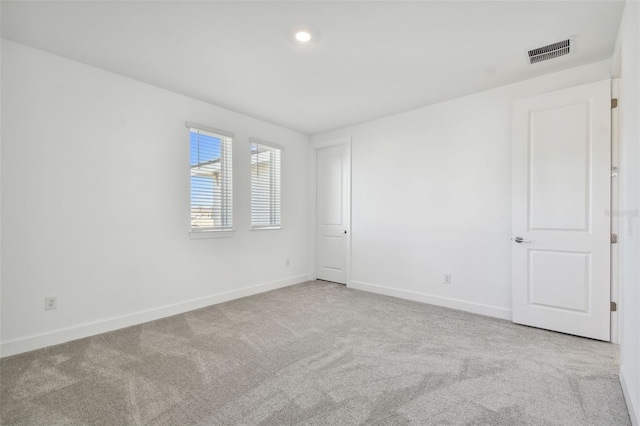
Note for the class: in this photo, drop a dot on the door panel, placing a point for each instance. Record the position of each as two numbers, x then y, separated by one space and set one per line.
560 167
330 188
561 194
332 253
332 214
559 280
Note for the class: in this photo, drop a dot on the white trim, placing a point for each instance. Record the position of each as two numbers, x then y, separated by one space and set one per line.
265 228
204 128
345 140
214 233
634 410
447 302
615 220
263 142
62 335
313 257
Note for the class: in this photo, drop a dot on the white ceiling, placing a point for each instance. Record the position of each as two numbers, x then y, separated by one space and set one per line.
367 59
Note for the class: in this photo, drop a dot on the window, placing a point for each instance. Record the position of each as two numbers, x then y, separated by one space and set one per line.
265 184
211 186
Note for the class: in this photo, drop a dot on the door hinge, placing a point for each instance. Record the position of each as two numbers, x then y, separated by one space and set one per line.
614 306
614 238
614 171
614 103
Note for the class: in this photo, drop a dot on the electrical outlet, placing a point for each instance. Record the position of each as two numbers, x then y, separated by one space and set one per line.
50 302
287 262
446 279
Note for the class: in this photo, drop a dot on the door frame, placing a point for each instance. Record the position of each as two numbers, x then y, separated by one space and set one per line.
617 198
313 185
615 210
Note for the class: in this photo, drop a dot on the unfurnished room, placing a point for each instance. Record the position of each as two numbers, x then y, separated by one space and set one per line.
319 212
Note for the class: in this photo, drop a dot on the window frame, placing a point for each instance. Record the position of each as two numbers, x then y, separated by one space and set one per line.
256 141
220 232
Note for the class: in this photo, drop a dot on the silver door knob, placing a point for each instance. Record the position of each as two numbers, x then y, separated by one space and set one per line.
521 240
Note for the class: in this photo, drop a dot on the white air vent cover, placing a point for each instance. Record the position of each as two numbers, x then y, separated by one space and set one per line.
544 53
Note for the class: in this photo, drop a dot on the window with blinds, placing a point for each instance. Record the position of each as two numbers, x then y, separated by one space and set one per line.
266 163
211 185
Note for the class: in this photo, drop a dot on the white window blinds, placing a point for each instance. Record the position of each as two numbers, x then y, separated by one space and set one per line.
211 185
266 160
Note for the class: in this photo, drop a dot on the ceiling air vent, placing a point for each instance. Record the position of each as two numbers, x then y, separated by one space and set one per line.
551 51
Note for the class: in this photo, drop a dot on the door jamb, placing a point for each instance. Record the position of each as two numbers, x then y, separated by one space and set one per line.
617 201
315 146
615 260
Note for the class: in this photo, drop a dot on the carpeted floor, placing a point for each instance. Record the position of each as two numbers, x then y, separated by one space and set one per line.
318 354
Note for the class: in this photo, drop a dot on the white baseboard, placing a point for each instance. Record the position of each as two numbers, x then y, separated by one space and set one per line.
462 305
632 402
54 337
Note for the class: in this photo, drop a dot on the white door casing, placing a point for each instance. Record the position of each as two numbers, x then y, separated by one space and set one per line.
561 200
332 213
615 201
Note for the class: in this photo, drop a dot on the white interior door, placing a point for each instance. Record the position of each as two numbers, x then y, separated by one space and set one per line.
561 198
332 213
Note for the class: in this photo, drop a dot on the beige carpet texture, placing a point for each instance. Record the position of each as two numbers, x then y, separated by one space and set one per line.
317 354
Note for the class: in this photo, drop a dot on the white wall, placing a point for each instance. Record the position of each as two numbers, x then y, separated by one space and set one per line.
1 44
629 44
431 194
95 204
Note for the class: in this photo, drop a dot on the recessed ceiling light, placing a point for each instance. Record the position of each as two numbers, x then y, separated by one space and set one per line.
303 36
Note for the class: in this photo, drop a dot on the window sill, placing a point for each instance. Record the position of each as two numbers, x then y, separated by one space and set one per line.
199 235
266 228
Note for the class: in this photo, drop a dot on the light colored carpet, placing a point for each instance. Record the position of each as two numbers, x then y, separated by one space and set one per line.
318 354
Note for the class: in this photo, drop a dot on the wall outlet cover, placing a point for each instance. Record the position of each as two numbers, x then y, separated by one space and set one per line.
50 302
